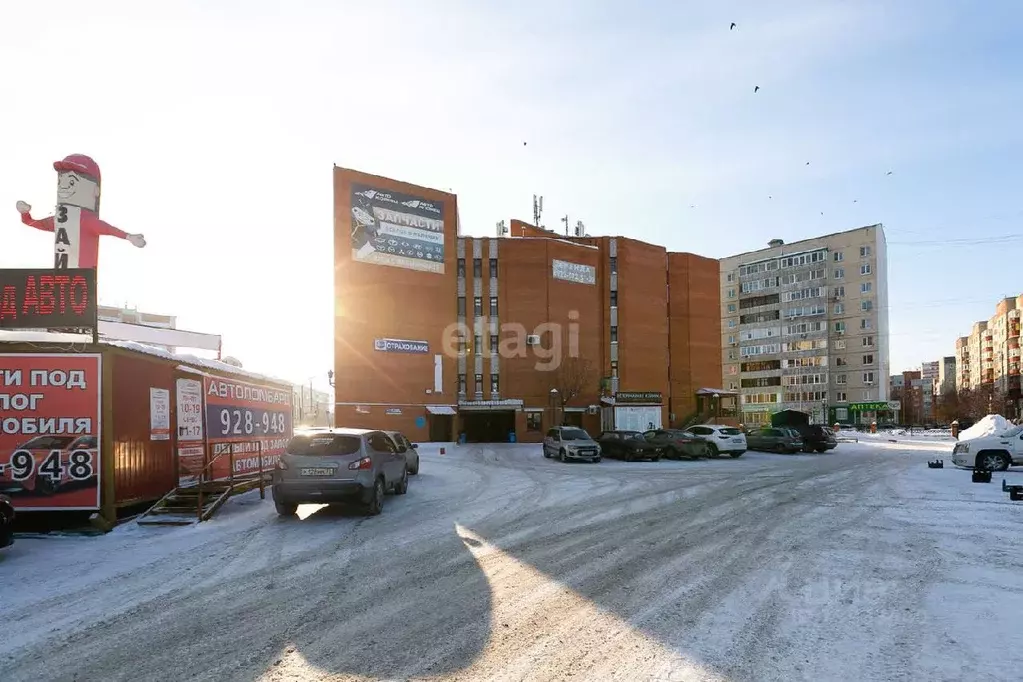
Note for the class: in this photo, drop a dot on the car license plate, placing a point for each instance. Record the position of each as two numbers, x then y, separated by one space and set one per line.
317 471
737 440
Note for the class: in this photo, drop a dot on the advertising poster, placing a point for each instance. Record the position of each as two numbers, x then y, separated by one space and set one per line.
159 414
395 229
189 429
50 407
237 415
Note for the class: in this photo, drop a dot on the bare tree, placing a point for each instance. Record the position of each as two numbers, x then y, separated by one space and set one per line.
575 376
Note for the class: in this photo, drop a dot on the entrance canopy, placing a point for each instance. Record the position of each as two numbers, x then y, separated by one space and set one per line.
440 409
712 391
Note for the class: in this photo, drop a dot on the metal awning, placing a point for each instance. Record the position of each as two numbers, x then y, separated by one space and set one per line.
440 409
718 391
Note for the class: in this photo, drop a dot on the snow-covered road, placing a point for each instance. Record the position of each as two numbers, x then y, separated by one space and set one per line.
860 564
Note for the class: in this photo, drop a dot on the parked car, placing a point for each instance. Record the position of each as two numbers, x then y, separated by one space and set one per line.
628 445
6 522
996 452
817 438
338 465
407 448
678 443
721 440
569 443
774 439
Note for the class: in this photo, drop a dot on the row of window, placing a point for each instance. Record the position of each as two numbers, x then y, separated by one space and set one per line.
761 365
754 334
804 379
864 270
866 306
806 397
760 398
766 349
756 318
786 262
809 361
868 378
864 253
867 360
865 323
761 382
802 294
866 342
806 311
787 347
477 306
477 267
495 383
805 328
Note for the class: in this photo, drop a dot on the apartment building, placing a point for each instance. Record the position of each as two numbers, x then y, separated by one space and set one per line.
990 355
946 381
805 327
928 377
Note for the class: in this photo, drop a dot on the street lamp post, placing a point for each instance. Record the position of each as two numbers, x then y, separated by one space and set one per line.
554 407
716 406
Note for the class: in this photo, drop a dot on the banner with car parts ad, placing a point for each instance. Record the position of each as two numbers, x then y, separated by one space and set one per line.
50 406
400 230
238 415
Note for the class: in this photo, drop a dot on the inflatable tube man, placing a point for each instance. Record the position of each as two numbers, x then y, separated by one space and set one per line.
76 224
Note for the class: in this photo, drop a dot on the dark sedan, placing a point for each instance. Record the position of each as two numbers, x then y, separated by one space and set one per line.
677 443
772 439
628 445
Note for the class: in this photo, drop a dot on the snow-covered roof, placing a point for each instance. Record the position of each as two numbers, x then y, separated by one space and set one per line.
204 363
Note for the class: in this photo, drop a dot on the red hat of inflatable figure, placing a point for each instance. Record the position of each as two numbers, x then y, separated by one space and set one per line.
79 163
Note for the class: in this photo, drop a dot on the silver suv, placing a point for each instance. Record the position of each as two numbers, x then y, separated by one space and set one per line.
338 465
570 442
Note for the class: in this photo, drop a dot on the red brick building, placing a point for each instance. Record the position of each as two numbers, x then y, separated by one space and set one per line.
438 334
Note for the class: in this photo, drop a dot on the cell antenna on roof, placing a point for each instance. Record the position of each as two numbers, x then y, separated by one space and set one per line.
537 210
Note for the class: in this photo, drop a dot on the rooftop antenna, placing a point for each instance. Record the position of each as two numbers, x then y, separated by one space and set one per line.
537 210
565 220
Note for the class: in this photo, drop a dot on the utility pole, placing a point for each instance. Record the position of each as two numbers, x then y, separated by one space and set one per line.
565 220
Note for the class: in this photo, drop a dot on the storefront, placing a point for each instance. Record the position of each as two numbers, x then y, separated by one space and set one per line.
632 411
882 411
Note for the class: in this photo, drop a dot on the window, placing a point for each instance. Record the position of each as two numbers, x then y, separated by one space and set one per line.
493 267
381 443
477 306
840 378
868 377
841 362
839 308
461 267
839 256
493 344
614 334
534 421
461 344
731 307
865 269
493 306
731 293
461 306
840 396
840 344
479 383
495 383
839 327
866 287
614 263
733 386
866 305
477 344
864 252
864 323
868 341
731 324
614 299
477 267
840 291
731 338
839 273
461 383
730 277
868 359
731 355
328 445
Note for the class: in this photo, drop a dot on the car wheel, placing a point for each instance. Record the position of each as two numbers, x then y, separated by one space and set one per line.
415 469
991 460
562 456
821 450
736 455
597 460
628 457
402 487
376 501
285 508
712 450
546 455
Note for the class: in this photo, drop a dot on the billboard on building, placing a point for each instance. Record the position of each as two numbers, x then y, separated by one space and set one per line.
396 229
237 415
50 407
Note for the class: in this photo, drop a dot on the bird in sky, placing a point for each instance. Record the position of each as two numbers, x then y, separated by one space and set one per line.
855 200
888 173
756 88
807 163
732 27
769 196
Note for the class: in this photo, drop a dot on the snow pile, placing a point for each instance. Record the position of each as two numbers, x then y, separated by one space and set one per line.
988 426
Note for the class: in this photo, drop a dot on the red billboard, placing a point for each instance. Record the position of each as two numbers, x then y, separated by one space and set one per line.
243 413
50 407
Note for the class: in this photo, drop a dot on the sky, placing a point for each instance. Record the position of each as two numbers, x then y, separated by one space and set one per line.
216 126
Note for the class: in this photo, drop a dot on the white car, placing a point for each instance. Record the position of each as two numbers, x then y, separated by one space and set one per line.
724 440
996 452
